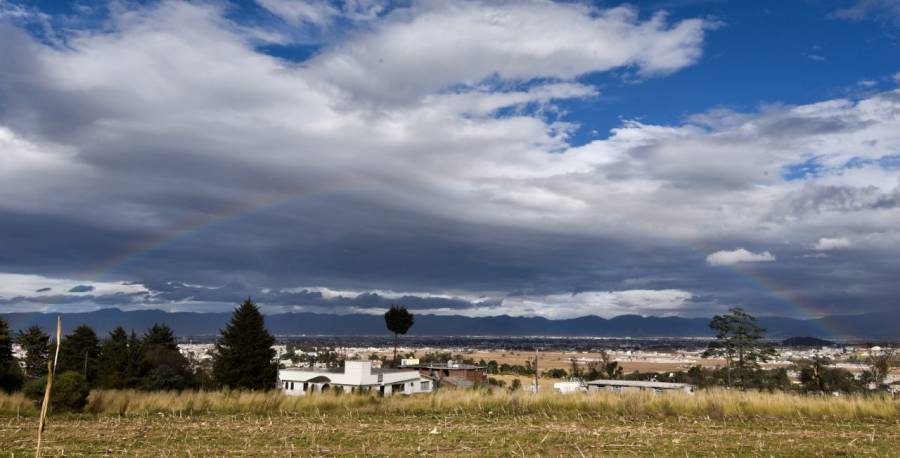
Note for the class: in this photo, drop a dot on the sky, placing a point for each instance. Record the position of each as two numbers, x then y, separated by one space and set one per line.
528 158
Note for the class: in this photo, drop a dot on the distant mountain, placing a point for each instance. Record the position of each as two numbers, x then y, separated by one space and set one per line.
868 326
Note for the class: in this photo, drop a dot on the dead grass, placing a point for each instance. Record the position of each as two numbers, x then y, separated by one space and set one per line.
713 404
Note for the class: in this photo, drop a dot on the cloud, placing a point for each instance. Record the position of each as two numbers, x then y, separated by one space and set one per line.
409 54
39 289
168 146
740 255
297 12
827 244
859 10
81 289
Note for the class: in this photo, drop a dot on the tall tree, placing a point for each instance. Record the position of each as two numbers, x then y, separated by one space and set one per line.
137 364
10 374
398 320
160 336
114 361
739 341
36 344
79 352
167 368
244 354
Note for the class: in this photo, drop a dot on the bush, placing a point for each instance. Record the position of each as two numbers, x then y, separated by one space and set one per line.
10 377
70 391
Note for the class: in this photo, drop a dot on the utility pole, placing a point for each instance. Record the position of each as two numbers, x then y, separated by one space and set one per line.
537 386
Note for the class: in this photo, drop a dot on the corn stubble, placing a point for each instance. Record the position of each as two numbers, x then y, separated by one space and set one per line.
461 423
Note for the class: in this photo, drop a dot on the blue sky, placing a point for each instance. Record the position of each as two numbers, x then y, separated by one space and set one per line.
530 158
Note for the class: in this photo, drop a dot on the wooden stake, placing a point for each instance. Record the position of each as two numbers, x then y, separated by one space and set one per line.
45 406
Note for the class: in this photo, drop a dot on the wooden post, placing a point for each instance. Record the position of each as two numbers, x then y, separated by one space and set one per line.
45 406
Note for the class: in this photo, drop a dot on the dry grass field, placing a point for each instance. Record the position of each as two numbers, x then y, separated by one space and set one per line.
459 423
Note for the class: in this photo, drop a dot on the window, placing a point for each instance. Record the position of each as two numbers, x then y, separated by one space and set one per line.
398 387
305 386
424 386
292 386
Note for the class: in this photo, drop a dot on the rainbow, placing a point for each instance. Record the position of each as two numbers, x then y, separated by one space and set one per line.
199 225
781 293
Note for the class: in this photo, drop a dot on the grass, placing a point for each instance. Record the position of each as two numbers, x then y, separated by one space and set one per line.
713 404
459 423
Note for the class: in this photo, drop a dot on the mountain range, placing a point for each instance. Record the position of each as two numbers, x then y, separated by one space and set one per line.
879 326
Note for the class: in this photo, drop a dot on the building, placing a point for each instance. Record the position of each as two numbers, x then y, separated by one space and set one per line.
452 373
637 385
568 387
355 376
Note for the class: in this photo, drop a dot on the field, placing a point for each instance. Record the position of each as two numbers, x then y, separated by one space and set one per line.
459 424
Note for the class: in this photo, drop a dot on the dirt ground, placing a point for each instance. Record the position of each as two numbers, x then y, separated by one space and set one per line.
352 434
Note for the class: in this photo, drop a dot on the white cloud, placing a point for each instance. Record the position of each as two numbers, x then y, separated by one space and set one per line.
37 286
572 305
740 255
827 244
411 54
297 12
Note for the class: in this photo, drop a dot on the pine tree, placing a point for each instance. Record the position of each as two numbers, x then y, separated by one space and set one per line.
160 335
739 341
244 354
10 374
136 367
114 361
79 352
167 368
36 344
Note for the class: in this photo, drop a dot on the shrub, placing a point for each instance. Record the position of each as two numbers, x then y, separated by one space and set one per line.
70 391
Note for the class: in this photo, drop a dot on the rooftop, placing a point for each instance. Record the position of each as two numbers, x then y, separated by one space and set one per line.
340 370
637 383
444 366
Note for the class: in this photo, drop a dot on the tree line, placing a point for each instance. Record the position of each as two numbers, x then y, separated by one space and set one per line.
243 359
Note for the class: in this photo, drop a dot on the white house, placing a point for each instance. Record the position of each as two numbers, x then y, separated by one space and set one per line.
356 376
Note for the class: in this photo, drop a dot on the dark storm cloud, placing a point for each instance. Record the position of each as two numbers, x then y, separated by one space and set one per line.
81 289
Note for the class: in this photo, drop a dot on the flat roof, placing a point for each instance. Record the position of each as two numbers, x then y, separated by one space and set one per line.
638 383
444 366
340 370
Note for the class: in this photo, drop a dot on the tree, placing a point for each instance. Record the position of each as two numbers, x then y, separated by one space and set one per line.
880 365
738 341
115 360
575 370
398 320
608 368
36 344
244 354
167 368
161 337
10 374
79 352
70 391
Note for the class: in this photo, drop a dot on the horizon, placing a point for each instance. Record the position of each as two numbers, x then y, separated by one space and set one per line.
540 158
